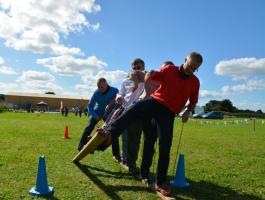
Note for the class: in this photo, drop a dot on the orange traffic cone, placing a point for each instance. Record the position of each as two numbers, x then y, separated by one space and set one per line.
66 133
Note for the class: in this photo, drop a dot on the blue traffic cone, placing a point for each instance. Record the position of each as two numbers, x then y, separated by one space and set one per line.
180 180
42 188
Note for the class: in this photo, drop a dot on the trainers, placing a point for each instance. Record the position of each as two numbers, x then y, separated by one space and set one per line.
88 138
163 189
80 147
149 182
124 165
117 158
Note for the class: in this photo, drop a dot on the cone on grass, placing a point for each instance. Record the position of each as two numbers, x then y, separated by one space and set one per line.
66 136
180 180
42 188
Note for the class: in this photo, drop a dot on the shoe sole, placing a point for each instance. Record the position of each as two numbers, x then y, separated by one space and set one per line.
165 197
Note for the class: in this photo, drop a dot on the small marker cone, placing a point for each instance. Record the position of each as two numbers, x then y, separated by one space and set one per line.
42 188
66 136
180 180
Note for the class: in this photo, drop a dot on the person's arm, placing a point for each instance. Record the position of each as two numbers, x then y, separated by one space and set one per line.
110 104
149 75
121 94
91 106
157 76
192 104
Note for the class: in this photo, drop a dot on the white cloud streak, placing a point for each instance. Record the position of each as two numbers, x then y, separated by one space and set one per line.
113 78
7 70
241 68
35 81
249 86
2 61
68 65
36 26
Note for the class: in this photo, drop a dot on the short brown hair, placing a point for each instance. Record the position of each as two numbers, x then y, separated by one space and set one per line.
196 56
101 80
138 61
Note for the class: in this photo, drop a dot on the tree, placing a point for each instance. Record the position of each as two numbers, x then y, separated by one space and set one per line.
225 105
259 111
50 93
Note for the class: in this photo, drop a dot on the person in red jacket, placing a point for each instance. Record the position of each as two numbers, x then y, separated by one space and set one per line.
177 86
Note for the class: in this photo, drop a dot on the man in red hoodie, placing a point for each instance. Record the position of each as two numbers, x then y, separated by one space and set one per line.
177 86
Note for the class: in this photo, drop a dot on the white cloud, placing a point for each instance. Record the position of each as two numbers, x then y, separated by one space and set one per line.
85 89
7 87
225 91
210 94
7 70
68 65
113 78
36 76
241 68
2 61
249 86
35 81
36 26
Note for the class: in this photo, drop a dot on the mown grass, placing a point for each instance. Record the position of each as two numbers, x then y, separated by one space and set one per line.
222 161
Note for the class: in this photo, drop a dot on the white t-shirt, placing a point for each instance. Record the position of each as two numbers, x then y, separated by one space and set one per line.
127 93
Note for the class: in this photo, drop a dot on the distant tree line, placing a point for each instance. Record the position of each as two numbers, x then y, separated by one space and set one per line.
226 106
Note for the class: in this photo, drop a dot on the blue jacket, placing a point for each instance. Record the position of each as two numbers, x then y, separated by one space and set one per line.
99 101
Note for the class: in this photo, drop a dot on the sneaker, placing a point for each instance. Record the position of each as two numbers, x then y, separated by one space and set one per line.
124 165
80 147
117 159
149 182
163 189
88 138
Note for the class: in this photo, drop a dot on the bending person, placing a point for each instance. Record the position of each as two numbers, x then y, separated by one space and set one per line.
104 96
177 86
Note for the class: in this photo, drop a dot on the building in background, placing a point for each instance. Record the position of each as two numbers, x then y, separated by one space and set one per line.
29 101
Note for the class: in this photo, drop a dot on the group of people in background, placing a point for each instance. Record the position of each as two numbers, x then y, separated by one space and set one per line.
77 110
150 101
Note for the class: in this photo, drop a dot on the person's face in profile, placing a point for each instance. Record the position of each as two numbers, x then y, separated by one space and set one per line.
102 86
191 65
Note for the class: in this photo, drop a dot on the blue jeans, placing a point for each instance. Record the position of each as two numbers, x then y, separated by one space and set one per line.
164 117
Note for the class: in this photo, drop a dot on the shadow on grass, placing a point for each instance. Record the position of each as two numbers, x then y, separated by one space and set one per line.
205 190
109 190
50 198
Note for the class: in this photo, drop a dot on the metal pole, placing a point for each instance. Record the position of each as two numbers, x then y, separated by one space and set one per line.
254 125
174 169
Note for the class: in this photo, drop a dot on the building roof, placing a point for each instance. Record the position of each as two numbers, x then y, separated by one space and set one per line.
44 95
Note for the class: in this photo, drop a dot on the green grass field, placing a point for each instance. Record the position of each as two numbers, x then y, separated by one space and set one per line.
222 161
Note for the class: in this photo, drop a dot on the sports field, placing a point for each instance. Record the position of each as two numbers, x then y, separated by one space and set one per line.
223 159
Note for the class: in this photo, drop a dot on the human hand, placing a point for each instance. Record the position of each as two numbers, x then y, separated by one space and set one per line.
119 99
149 75
185 116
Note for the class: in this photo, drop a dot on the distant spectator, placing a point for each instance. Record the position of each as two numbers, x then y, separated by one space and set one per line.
65 111
62 111
80 111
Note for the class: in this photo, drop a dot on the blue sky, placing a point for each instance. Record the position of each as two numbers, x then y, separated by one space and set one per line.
64 46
